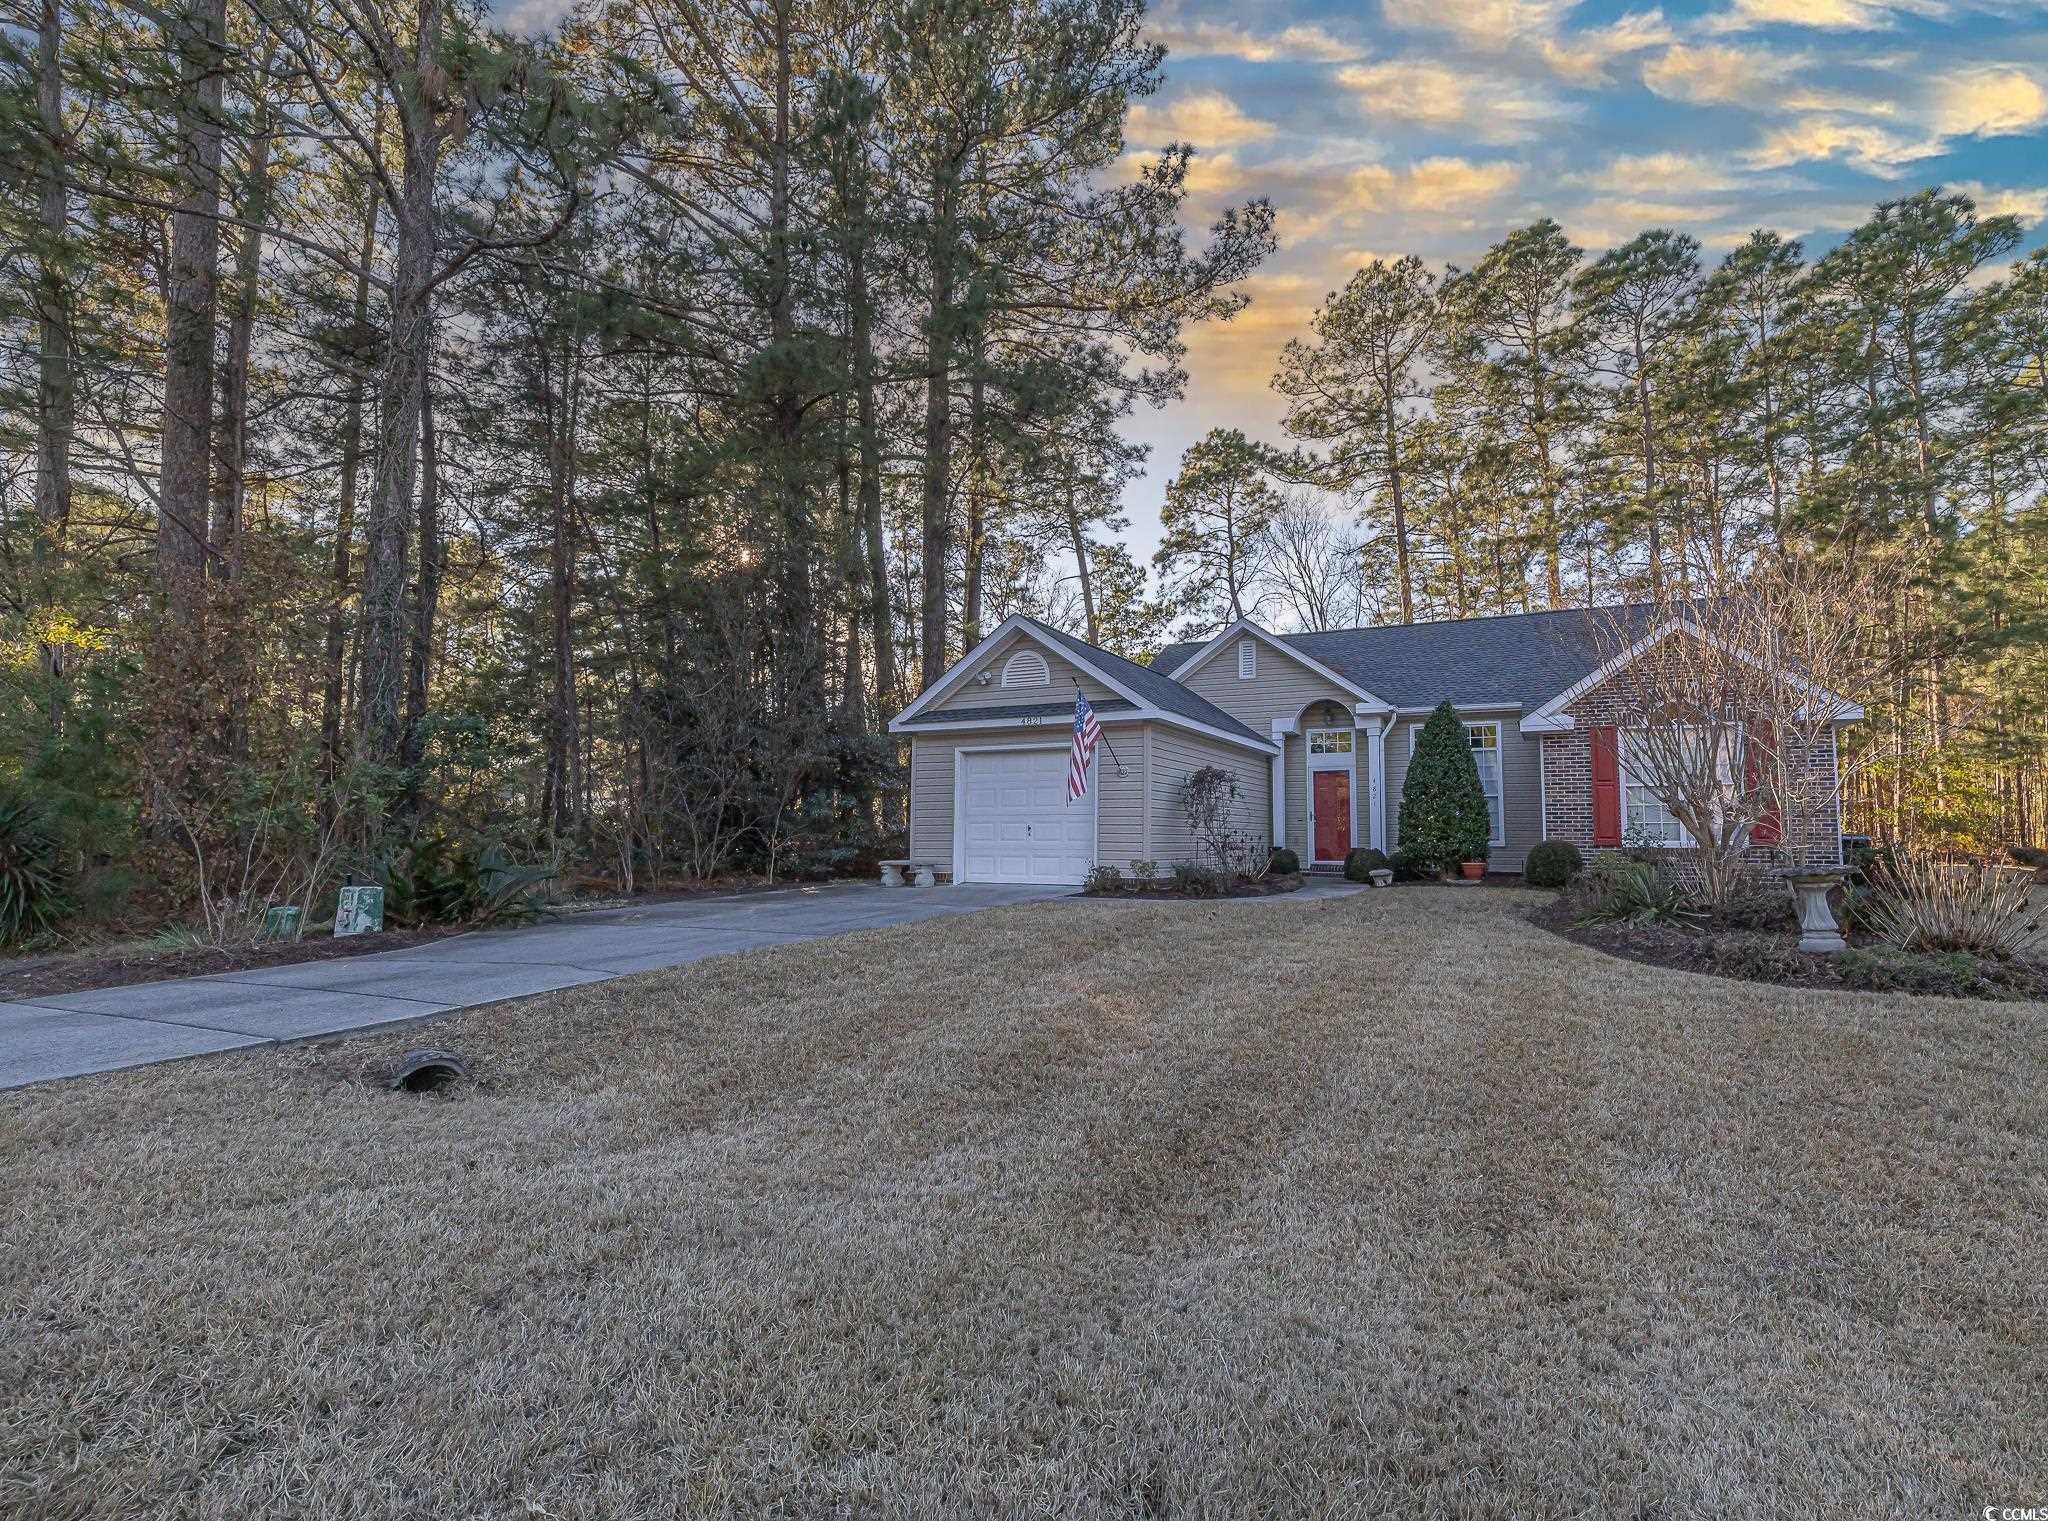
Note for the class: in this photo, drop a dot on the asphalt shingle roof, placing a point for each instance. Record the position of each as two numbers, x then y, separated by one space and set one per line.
1520 658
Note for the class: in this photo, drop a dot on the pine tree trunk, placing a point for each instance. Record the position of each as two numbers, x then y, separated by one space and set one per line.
427 600
53 303
230 483
388 533
183 494
938 435
350 469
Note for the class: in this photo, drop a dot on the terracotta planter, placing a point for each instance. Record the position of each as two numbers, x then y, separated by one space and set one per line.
1472 870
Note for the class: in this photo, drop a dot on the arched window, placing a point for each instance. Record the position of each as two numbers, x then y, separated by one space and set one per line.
1026 668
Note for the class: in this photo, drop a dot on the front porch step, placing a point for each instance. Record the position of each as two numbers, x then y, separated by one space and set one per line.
1326 869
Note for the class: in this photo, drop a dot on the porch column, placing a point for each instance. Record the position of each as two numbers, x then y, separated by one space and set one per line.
1280 732
1374 727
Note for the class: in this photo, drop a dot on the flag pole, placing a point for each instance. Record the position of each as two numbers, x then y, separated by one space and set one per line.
1105 733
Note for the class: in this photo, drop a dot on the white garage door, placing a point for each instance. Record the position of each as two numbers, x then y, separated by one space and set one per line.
1016 824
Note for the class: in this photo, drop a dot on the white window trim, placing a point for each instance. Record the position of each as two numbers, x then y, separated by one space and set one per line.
960 800
1685 841
1500 762
1345 761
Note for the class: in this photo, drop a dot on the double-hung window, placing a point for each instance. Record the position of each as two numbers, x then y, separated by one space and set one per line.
1646 816
1485 741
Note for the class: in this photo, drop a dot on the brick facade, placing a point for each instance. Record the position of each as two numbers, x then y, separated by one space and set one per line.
1568 782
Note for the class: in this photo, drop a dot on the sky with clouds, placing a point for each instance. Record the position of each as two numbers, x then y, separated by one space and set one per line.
1434 126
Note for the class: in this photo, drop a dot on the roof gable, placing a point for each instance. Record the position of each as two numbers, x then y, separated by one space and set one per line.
1186 664
1147 690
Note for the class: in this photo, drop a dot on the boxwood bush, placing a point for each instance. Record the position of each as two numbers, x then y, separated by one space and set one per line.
1285 863
1553 864
1363 862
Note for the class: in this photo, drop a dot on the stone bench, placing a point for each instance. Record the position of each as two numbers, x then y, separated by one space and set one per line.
927 873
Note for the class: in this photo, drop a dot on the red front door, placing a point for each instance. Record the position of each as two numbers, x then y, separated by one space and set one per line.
1333 815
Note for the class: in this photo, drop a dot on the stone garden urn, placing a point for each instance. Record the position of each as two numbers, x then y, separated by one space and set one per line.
1818 932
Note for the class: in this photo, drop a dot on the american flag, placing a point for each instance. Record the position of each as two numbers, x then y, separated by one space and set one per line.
1087 734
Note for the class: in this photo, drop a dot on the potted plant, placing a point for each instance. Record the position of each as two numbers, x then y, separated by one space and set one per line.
1472 871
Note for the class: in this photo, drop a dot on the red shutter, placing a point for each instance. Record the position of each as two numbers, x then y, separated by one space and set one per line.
1606 787
1768 830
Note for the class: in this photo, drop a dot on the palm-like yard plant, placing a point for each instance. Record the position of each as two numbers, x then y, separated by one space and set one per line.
32 874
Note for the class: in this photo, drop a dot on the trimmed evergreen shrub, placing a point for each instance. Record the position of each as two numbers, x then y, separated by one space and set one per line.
1443 808
1363 862
1411 865
1285 863
1553 864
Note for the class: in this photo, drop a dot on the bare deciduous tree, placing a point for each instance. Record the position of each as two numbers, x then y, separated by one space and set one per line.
1738 700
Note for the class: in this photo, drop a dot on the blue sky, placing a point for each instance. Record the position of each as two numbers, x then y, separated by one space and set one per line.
1434 126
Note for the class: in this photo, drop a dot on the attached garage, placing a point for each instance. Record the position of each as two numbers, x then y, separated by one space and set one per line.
989 745
1012 821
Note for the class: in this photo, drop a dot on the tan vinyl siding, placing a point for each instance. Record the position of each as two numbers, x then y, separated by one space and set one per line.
969 694
1120 815
1280 691
1175 754
1521 787
1283 691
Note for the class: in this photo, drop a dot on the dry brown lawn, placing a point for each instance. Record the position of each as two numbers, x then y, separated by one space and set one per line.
1389 1206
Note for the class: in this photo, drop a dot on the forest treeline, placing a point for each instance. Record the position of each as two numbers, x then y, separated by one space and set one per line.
414 430
414 433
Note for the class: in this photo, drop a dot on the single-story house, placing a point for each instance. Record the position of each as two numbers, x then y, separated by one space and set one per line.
1318 728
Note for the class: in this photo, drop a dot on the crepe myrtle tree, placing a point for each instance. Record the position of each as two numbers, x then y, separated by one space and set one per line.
1443 805
1735 700
1210 801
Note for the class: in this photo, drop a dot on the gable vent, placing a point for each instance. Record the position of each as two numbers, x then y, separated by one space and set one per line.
1247 659
1026 668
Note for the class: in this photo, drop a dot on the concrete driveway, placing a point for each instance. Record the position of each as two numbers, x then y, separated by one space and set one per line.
69 1034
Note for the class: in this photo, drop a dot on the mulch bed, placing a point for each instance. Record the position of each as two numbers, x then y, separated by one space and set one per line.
1265 887
1751 955
1684 950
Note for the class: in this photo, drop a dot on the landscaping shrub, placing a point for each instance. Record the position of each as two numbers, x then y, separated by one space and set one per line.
1620 889
1285 863
1759 958
1412 865
1757 902
32 875
1443 808
1888 969
1553 863
1145 871
2029 855
1924 902
1197 881
1104 879
441 880
1363 862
